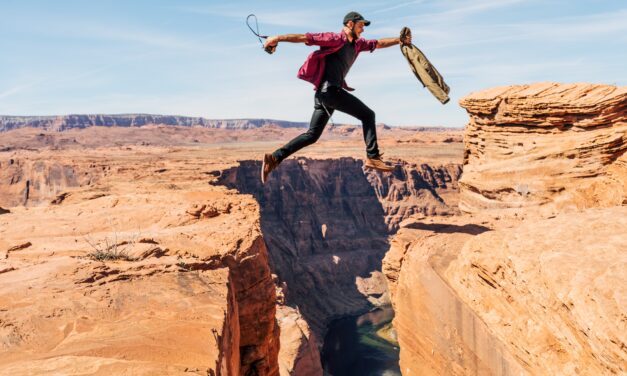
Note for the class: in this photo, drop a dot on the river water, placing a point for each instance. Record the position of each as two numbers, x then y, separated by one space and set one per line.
362 346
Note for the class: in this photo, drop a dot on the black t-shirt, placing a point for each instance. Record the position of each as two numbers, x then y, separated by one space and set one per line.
338 64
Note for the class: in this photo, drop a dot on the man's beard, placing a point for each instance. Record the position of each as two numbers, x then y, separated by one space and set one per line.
354 34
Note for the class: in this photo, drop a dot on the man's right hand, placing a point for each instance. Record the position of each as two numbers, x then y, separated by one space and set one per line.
270 45
271 42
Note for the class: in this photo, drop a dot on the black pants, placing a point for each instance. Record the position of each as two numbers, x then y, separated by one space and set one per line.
333 98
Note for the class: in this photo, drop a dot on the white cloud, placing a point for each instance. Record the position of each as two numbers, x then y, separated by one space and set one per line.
575 28
289 18
205 62
142 36
16 89
474 7
397 6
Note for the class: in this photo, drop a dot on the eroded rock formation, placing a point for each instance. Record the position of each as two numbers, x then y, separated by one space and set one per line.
135 274
558 302
299 355
545 143
437 333
123 259
531 281
414 189
33 182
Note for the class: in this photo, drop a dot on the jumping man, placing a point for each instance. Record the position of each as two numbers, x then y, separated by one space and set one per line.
326 69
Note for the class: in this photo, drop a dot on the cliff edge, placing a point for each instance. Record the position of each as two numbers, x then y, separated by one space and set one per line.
530 280
545 144
146 270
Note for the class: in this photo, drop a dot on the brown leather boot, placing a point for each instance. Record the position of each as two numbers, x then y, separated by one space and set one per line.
269 163
378 164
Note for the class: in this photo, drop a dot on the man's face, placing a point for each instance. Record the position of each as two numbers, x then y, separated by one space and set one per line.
358 27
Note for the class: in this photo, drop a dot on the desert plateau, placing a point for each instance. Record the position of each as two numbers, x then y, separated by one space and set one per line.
142 245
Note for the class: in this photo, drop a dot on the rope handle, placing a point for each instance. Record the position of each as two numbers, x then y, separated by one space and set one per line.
269 49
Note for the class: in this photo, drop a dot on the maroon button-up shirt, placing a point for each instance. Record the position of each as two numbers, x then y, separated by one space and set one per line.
313 69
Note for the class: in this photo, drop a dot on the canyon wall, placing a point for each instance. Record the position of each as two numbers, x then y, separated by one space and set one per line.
32 182
437 333
530 280
135 273
299 354
327 222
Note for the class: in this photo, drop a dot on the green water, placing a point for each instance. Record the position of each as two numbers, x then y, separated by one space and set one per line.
362 346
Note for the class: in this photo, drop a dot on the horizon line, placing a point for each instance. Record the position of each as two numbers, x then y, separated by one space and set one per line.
207 118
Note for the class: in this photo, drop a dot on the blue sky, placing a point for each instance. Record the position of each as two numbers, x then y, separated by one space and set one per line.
198 58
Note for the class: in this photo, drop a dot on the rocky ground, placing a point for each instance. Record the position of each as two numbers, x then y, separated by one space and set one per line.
157 251
141 265
530 278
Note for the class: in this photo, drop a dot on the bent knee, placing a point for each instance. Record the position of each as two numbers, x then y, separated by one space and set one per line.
368 115
311 137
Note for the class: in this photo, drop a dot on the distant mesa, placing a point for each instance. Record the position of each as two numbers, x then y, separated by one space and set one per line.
59 123
65 122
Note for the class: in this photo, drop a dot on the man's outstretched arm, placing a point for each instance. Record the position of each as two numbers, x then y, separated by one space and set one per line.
292 38
389 42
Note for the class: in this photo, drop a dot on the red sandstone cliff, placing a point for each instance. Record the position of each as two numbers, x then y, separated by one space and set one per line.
531 281
546 143
190 292
194 251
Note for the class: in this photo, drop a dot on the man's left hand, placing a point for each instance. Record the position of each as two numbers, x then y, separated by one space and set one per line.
405 38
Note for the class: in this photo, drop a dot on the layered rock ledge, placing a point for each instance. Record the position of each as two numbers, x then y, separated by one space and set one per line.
545 144
530 280
147 271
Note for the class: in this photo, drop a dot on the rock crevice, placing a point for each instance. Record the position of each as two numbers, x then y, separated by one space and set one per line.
326 224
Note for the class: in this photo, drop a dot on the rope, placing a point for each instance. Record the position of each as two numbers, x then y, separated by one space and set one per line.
269 49
257 27
328 113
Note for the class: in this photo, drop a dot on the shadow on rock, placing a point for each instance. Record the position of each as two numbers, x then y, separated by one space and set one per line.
325 231
439 228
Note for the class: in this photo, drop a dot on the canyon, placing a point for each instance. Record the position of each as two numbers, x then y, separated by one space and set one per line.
153 248
121 257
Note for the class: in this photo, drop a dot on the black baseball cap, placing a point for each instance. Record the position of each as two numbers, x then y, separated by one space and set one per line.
354 16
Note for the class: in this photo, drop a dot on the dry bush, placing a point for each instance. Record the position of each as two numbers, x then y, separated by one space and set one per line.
109 248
